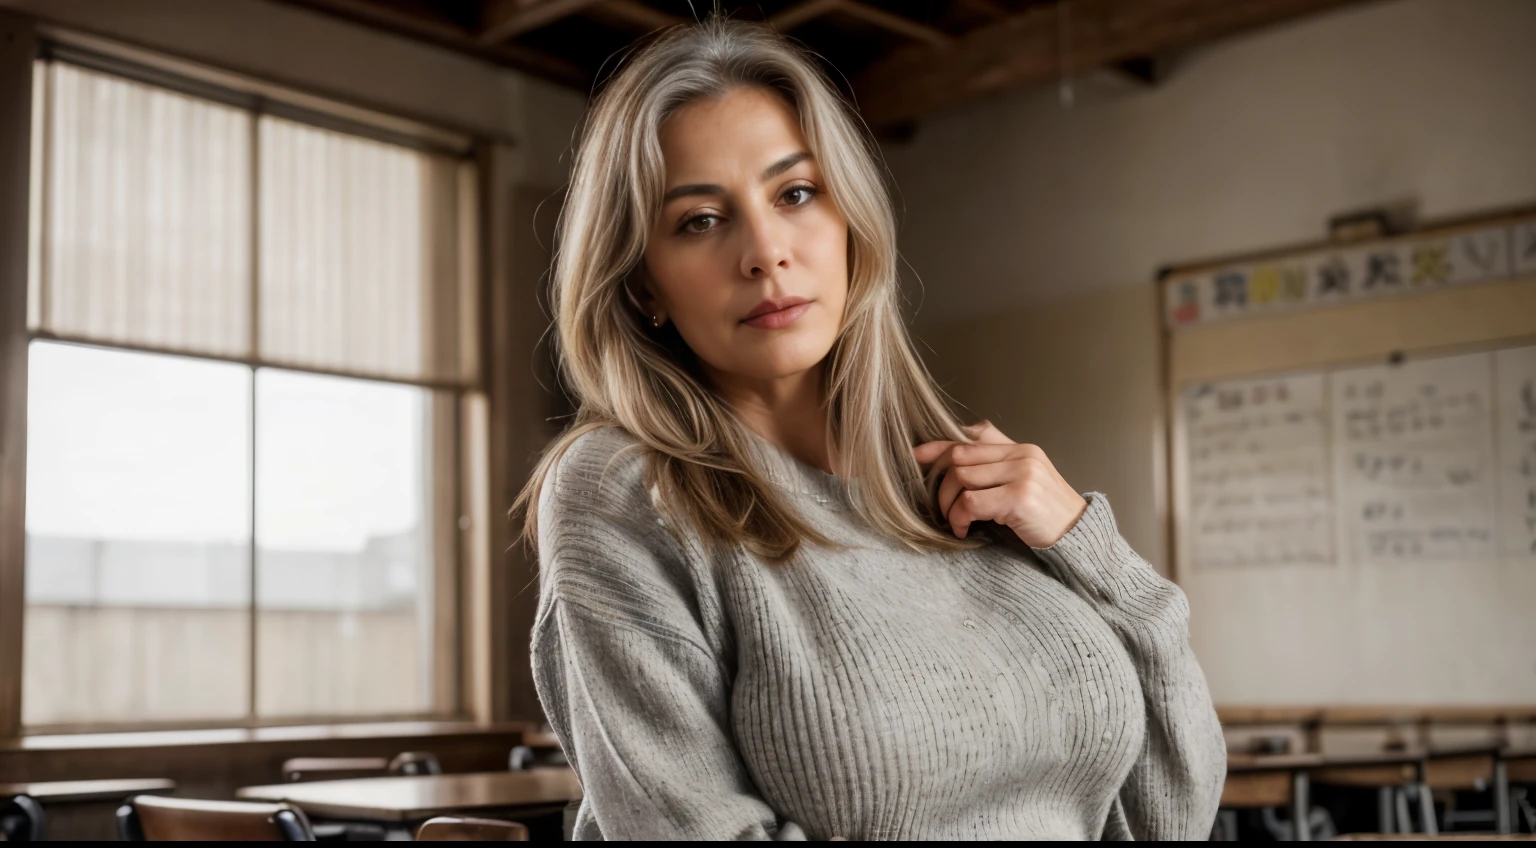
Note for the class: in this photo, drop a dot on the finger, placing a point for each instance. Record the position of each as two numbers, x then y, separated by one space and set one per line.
977 505
986 432
929 451
1034 451
980 454
963 477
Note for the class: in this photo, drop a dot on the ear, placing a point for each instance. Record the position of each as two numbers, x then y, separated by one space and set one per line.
643 295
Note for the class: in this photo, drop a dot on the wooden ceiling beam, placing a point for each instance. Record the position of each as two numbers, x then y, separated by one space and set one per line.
502 20
446 33
986 8
1024 48
635 14
802 13
899 24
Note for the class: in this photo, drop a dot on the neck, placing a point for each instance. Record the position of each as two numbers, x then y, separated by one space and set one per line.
788 411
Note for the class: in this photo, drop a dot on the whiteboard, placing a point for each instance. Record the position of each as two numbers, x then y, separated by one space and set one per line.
1259 476
1430 460
1515 372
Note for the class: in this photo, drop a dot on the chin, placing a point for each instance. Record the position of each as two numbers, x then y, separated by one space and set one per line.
785 357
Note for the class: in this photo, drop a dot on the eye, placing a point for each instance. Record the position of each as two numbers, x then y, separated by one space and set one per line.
699 224
804 192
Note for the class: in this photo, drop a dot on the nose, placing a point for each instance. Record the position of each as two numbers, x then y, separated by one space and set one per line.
765 248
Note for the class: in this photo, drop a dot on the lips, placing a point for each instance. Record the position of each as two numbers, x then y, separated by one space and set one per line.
775 314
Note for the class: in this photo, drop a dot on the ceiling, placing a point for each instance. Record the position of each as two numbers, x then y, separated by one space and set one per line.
900 59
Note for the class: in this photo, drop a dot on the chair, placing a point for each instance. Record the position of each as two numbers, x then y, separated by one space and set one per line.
454 829
304 769
21 819
539 748
415 763
148 818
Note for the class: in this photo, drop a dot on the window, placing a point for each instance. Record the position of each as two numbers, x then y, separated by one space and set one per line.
250 345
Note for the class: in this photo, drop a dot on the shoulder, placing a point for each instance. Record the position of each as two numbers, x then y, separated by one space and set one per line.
601 469
596 512
603 547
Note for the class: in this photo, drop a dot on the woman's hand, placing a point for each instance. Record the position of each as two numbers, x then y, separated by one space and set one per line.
999 480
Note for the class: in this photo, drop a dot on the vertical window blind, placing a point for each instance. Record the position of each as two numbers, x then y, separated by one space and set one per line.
146 236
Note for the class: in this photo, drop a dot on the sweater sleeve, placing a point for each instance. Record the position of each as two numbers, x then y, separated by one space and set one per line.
1175 786
631 681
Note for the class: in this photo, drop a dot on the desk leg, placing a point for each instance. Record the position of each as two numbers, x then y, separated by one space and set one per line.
1384 811
1301 811
1501 796
1404 821
1427 809
1227 823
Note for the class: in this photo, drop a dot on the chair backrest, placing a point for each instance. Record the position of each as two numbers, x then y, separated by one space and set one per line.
415 763
157 819
300 769
525 757
454 829
21 819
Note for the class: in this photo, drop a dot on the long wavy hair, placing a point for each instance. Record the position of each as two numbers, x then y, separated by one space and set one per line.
880 399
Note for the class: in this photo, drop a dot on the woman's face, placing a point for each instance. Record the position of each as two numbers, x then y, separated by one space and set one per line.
745 219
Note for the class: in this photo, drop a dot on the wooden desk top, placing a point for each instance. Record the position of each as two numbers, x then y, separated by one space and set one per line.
1249 763
541 740
1519 752
1362 715
409 799
1255 763
59 792
1455 752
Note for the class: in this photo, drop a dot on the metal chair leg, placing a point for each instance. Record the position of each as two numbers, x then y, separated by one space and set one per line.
1226 821
1301 812
1501 797
1427 809
1404 821
1384 811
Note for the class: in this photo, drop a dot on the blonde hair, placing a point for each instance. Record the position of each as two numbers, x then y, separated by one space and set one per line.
881 401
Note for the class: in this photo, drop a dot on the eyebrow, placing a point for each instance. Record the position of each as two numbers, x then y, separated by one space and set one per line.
769 173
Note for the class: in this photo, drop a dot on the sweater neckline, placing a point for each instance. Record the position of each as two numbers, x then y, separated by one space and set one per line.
785 470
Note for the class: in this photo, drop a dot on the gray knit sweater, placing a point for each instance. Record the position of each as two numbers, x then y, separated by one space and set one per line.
873 693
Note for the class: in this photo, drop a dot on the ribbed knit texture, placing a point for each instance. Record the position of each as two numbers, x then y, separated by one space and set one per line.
873 693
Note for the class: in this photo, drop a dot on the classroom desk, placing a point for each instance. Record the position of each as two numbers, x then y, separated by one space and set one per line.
1479 768
1393 774
50 795
1520 763
404 800
1270 780
78 791
541 740
1286 780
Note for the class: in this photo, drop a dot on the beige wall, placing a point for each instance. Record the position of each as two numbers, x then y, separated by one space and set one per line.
1250 144
1079 378
1035 232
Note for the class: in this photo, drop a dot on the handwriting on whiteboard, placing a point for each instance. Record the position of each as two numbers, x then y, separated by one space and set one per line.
1516 377
1258 472
1416 471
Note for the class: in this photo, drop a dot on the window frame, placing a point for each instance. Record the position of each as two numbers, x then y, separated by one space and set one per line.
456 493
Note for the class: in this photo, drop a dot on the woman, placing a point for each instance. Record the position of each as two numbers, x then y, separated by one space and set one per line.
762 613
